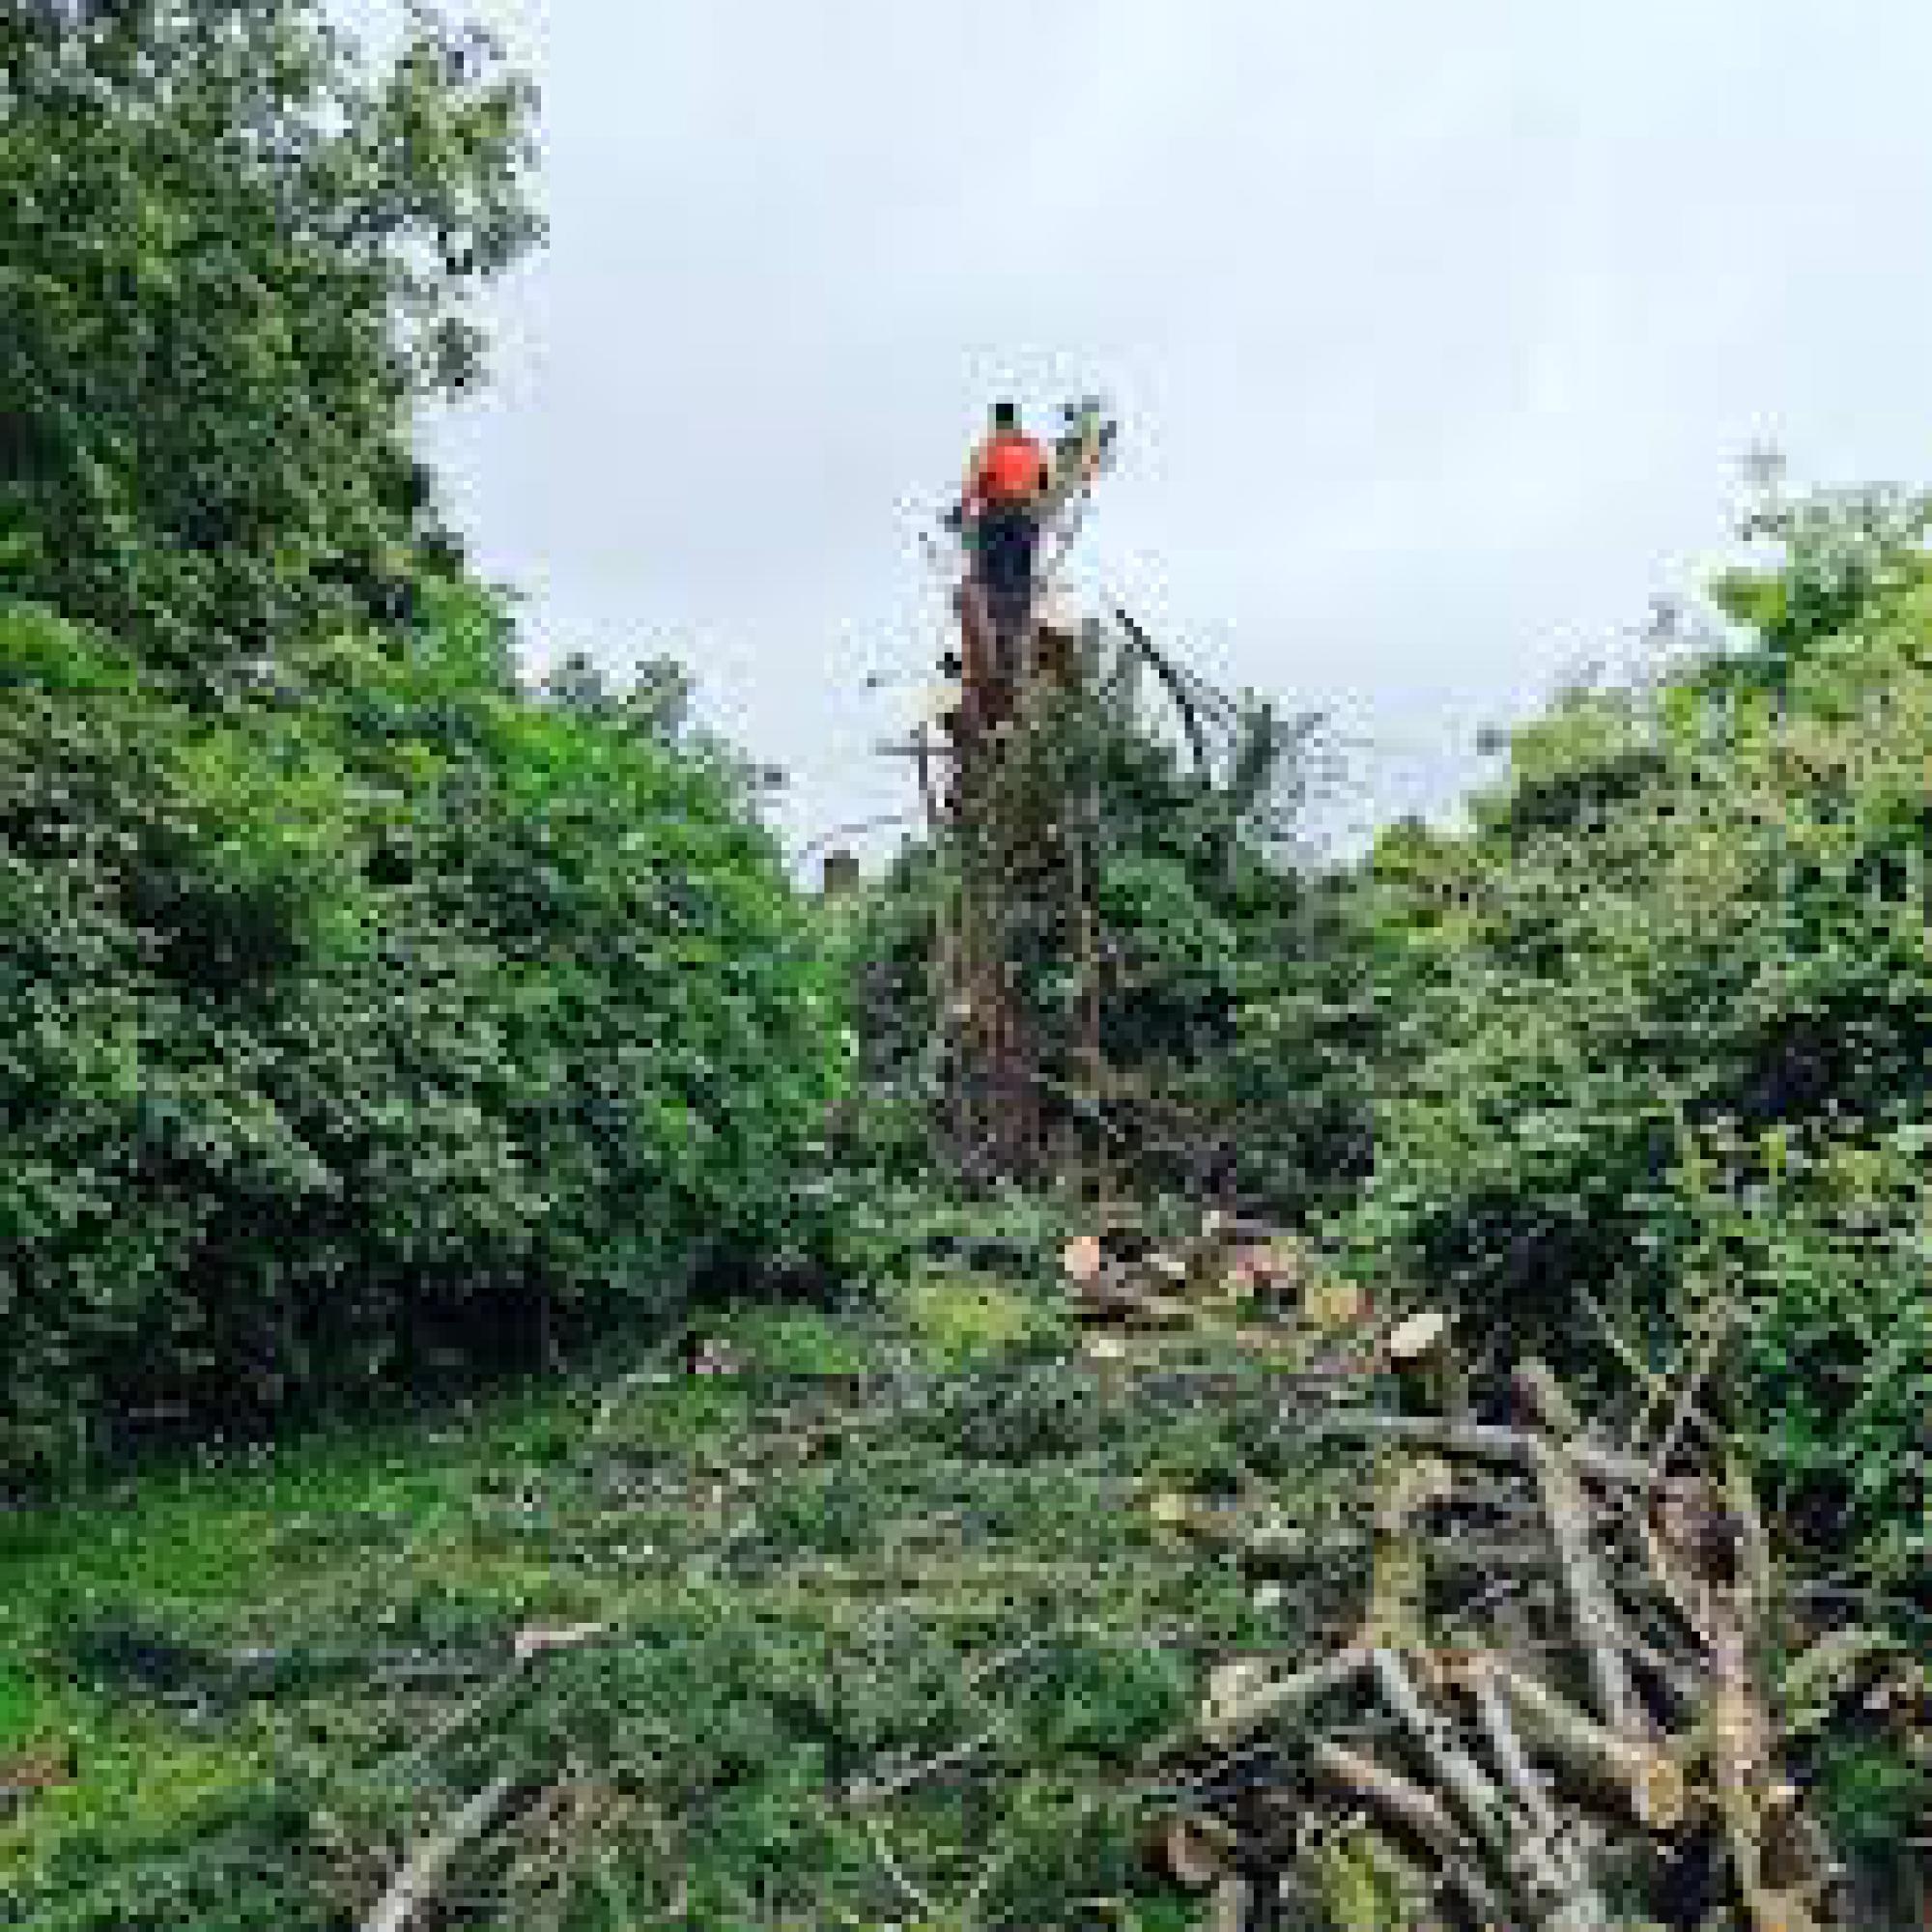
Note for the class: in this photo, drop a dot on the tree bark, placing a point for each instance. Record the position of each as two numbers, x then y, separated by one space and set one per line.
1599 1627
1649 1779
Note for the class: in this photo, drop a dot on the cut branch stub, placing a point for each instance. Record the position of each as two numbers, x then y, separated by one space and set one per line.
1428 1377
1283 1698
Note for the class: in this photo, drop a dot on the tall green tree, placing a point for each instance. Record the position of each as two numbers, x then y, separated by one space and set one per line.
378 1015
1224 980
231 257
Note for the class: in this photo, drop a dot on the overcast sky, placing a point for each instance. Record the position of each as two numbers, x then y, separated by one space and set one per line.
1437 331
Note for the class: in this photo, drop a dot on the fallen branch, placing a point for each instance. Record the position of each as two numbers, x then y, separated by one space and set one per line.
1553 1852
1418 1813
1455 1771
1740 1767
1399 1584
876 1791
1294 1542
424 1869
1599 1627
1547 1401
1506 1749
1655 1386
1649 1779
1284 1698
1486 1441
1683 1400
1538 1789
919 1900
1552 1881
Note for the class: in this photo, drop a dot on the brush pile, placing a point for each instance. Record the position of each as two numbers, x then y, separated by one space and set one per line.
1570 1697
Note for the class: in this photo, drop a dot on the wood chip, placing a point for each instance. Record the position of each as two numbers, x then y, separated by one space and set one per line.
1081 1257
1416 1336
535 1639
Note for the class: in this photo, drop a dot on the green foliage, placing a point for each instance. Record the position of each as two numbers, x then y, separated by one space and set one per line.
232 256
431 1018
1672 1062
337 1038
1237 1010
362 1015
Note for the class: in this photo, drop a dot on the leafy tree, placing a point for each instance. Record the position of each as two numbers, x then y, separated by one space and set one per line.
229 259
430 1025
362 1015
1670 1065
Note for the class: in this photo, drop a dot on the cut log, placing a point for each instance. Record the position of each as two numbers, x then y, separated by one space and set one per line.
1648 1778
1082 1259
1599 1626
1482 1440
1284 1698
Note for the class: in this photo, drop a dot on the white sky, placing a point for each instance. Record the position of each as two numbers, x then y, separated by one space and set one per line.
1437 331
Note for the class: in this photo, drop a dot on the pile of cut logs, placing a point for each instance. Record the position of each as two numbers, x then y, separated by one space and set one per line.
1559 1709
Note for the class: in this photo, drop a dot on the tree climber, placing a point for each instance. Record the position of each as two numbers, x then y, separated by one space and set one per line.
1007 484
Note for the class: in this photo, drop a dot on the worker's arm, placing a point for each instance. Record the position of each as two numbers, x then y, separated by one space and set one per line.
969 490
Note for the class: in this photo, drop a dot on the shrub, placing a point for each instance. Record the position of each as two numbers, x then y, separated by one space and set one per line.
430 1023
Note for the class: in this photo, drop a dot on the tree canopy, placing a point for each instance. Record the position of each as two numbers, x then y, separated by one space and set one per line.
230 258
362 1013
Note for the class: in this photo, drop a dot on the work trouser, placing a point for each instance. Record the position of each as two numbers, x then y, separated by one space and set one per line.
1006 540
